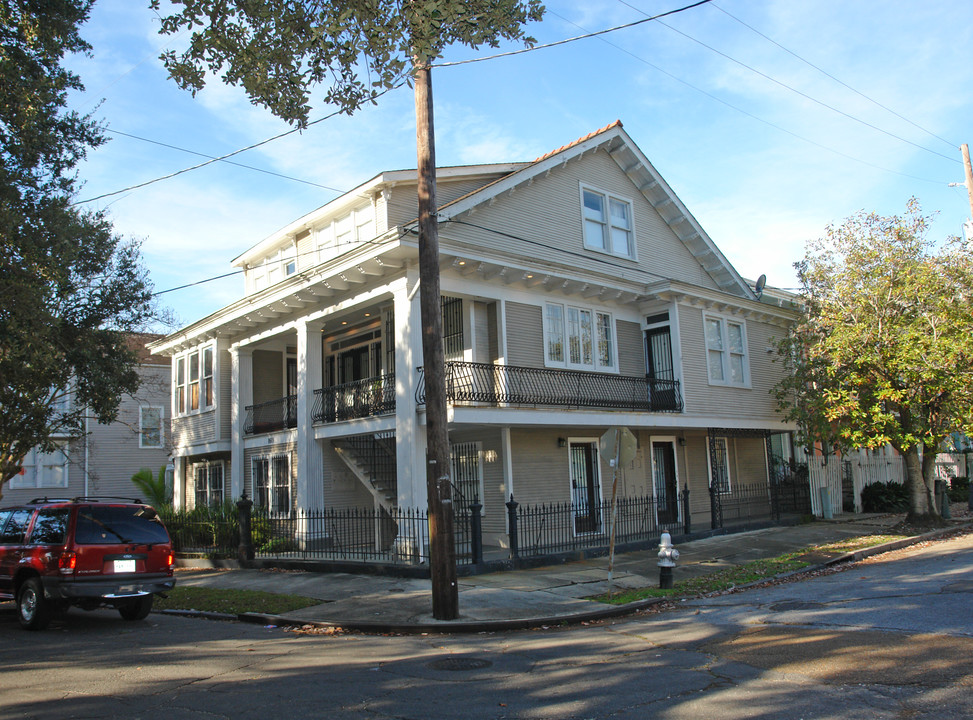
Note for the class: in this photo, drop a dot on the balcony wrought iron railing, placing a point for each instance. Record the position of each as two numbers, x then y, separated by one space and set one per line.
356 399
270 416
511 385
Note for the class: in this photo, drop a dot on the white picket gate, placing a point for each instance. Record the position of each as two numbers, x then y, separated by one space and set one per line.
865 470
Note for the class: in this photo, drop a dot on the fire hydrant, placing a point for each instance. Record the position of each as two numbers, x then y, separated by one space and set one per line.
667 561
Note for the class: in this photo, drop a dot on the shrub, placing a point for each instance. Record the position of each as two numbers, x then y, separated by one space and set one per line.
959 489
884 497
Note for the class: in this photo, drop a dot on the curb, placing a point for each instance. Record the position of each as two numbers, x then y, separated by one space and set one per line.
447 627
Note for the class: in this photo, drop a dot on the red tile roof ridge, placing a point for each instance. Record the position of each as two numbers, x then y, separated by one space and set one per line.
617 123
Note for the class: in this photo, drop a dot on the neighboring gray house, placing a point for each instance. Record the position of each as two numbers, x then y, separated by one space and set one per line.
579 294
102 461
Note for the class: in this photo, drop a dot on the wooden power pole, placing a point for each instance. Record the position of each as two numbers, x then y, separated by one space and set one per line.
965 149
442 546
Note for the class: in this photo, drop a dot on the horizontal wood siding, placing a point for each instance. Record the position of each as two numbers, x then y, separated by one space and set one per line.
755 403
194 429
751 461
547 212
268 376
403 205
525 335
342 489
631 357
114 452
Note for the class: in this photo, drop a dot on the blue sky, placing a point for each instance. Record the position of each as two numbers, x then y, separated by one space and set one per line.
764 149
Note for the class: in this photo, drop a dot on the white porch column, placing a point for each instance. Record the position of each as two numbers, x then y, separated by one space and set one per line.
241 395
179 483
410 436
310 456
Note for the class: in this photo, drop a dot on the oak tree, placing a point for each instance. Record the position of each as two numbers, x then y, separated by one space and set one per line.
70 288
883 353
279 52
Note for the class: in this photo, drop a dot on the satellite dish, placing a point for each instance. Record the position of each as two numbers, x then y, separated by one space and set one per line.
761 284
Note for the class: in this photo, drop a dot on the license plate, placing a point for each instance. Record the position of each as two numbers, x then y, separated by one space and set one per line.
124 566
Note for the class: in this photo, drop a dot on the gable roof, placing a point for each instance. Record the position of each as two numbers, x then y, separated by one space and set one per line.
620 147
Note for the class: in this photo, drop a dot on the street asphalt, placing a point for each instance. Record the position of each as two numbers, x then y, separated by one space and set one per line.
536 597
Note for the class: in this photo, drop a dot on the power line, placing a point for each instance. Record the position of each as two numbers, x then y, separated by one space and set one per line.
795 90
222 158
573 39
751 115
228 162
829 75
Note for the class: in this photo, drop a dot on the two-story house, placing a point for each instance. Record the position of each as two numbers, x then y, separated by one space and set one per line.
101 460
578 294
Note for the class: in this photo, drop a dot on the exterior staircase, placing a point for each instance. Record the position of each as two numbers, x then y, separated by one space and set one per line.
371 459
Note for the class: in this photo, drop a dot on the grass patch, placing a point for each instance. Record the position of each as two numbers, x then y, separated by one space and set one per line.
748 572
232 602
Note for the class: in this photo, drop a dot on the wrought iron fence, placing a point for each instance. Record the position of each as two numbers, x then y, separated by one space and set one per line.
745 504
508 384
271 416
397 537
554 528
357 399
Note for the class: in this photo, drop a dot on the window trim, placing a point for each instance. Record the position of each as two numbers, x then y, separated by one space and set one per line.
725 352
143 429
204 384
563 333
630 253
269 459
34 460
207 466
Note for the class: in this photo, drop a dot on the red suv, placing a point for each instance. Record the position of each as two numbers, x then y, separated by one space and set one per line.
88 552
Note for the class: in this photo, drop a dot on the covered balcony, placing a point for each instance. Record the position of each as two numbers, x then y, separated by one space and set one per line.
491 384
271 416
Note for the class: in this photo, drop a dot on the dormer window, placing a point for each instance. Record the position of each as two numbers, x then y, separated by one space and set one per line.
608 225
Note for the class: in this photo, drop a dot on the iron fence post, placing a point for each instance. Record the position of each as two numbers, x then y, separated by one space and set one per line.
476 532
512 524
686 520
245 549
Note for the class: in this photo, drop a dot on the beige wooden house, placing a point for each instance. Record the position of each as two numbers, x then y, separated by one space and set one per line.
579 294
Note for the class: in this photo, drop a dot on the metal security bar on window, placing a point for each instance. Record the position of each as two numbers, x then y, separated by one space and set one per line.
510 385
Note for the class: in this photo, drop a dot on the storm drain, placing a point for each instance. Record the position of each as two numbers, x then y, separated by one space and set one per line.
459 664
795 605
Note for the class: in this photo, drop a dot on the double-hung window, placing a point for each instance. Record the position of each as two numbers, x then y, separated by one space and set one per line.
272 483
43 470
194 381
208 479
579 338
726 351
608 223
150 427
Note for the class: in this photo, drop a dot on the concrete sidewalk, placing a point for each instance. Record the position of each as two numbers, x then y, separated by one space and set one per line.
523 598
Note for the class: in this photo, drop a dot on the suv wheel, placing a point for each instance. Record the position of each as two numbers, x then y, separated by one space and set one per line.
33 610
137 609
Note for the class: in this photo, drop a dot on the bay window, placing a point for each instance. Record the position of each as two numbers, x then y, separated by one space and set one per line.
194 381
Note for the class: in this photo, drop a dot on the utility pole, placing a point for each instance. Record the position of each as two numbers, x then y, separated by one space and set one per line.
442 545
968 225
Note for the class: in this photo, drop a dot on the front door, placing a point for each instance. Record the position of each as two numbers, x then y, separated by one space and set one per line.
665 481
585 489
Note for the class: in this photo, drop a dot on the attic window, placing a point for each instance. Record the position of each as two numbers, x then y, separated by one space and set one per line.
608 225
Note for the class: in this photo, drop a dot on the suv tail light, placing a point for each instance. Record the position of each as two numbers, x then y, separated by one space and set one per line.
171 560
67 562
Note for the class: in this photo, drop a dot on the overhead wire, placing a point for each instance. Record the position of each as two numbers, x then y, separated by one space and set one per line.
565 41
750 115
801 93
832 77
223 158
